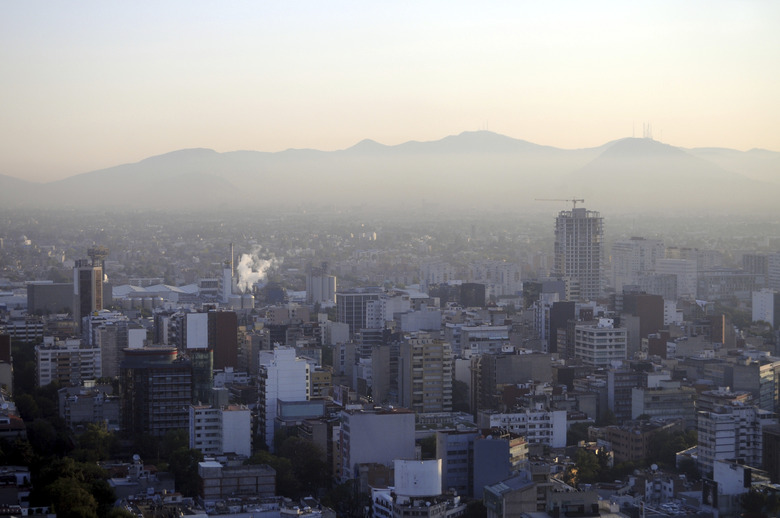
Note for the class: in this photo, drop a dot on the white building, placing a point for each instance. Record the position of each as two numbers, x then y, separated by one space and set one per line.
731 432
685 270
633 256
216 431
601 344
417 493
536 425
284 377
68 362
499 277
766 307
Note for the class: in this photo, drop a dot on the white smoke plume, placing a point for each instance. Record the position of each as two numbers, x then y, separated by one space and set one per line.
252 268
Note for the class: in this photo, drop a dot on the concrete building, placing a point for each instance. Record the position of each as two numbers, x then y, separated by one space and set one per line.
360 430
416 493
425 374
632 257
222 338
88 285
490 373
352 306
766 307
579 253
537 425
685 271
222 480
68 362
601 344
217 431
80 406
45 297
320 287
455 448
496 457
156 391
620 383
731 432
667 400
284 377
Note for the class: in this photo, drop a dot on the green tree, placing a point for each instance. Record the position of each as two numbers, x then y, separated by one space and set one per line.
286 482
71 500
307 462
576 433
183 464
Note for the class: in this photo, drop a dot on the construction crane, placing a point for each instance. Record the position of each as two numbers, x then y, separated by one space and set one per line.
574 201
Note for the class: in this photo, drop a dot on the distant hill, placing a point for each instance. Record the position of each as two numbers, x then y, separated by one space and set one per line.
472 170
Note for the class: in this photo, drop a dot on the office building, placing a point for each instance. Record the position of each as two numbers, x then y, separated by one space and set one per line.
425 374
282 377
600 344
67 362
352 306
217 431
731 432
156 390
579 253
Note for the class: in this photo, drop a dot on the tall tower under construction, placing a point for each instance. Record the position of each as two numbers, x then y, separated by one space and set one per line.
579 254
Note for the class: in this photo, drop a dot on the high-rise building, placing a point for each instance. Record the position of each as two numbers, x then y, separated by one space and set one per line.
282 377
352 306
579 254
156 391
425 374
223 338
87 289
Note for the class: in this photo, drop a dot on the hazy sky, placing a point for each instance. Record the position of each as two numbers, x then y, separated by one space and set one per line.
92 84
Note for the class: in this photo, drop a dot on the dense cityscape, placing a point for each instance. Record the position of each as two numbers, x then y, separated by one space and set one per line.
355 363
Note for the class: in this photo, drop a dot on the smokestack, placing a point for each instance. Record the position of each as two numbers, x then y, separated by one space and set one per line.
232 262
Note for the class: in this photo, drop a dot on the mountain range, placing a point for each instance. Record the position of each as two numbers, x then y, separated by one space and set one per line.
472 170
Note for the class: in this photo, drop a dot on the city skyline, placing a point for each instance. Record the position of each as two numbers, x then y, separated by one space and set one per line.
97 85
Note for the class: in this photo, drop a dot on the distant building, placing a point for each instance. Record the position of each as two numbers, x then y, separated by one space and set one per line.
579 253
87 289
766 307
632 257
49 297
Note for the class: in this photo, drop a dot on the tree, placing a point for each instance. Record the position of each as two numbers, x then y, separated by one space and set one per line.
71 500
286 482
183 464
307 462
576 433
586 468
